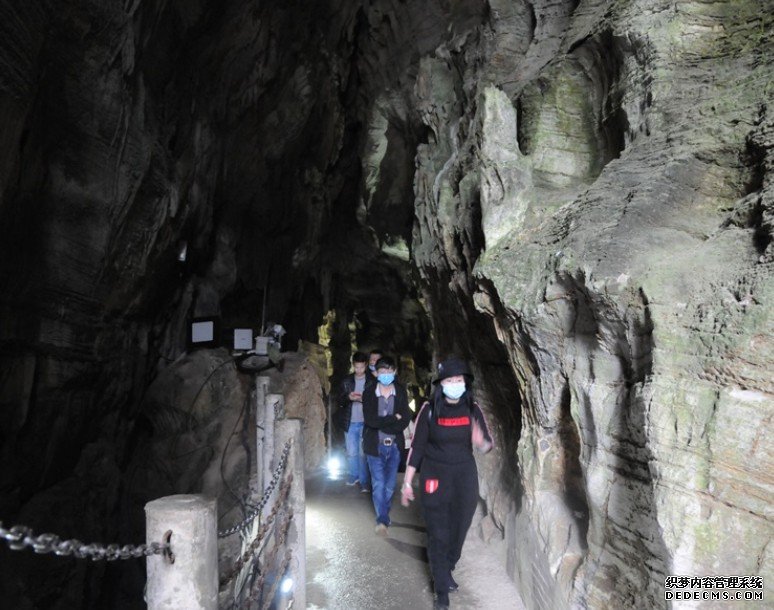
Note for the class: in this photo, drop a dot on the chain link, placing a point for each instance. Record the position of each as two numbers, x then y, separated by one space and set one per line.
251 552
247 521
19 537
258 588
283 566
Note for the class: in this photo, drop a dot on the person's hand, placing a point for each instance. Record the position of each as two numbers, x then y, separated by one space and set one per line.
397 416
406 494
477 437
355 396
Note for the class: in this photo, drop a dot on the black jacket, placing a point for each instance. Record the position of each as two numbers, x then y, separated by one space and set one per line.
389 424
344 412
445 437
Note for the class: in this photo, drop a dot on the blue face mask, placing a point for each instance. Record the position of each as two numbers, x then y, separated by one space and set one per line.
372 367
453 390
386 378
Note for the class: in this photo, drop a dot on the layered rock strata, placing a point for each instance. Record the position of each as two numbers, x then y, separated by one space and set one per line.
601 190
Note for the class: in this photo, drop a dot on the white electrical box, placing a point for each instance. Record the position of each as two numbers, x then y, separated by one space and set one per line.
262 345
203 332
243 338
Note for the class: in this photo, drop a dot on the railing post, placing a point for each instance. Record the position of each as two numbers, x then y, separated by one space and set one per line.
268 438
261 391
190 581
296 540
278 401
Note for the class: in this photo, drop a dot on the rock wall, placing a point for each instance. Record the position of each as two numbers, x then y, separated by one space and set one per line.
597 182
130 131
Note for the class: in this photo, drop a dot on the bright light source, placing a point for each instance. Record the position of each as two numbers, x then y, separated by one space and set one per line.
334 468
412 405
182 251
286 585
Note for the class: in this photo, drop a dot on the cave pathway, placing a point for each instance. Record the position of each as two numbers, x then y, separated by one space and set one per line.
349 567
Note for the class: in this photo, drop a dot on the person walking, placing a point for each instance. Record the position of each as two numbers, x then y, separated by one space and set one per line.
373 357
448 427
386 413
351 421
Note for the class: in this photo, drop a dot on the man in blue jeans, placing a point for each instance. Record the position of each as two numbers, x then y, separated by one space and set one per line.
386 413
351 403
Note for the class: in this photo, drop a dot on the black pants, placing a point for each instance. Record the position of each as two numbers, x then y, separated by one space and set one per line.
449 498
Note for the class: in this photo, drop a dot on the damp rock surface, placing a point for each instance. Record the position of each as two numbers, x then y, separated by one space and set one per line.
595 195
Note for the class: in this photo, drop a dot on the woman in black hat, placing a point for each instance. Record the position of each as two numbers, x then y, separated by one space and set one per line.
448 427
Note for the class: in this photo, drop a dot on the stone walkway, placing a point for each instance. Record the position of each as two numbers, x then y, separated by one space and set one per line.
349 567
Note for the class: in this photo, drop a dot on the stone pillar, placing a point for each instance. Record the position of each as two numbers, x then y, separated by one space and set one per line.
191 581
296 540
278 403
268 439
261 391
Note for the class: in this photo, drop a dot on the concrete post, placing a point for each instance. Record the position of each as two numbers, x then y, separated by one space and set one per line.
278 400
261 391
191 582
268 439
262 388
296 540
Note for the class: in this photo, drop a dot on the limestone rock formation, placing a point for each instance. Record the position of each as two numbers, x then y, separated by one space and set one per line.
300 384
201 411
620 187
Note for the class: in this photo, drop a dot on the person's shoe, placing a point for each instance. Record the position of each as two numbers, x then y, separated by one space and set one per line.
365 490
441 601
381 529
352 482
453 586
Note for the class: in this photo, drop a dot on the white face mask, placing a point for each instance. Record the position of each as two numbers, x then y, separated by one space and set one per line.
453 390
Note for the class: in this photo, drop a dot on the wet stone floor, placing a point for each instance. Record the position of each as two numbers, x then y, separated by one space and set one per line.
350 567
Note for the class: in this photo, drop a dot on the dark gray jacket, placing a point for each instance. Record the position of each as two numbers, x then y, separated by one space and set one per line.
344 411
389 424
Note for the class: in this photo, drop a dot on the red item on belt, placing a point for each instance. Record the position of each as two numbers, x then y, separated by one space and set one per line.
431 485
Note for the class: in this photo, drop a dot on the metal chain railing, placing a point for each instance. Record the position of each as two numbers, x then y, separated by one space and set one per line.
251 551
20 537
270 596
247 521
258 588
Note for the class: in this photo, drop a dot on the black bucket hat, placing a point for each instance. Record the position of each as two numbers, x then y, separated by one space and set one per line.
451 368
